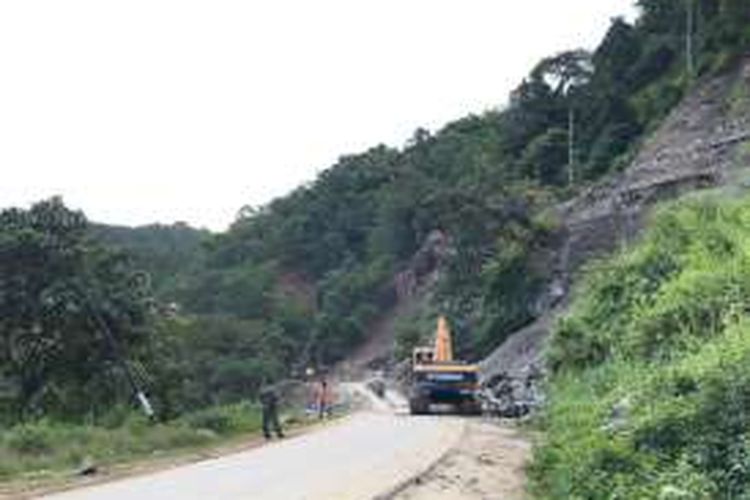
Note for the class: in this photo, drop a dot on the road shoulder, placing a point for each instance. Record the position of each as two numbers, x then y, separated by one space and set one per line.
488 463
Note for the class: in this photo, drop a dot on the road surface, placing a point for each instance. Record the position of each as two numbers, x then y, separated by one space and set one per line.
359 457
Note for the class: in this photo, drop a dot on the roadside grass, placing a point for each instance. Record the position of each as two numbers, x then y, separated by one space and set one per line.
46 448
650 391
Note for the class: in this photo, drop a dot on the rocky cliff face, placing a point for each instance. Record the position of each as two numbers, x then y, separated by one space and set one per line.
699 145
695 148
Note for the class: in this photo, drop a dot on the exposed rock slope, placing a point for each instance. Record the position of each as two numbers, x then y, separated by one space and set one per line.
698 146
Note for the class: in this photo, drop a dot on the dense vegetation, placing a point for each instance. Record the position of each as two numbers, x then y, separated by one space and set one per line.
80 323
68 306
649 397
78 320
166 252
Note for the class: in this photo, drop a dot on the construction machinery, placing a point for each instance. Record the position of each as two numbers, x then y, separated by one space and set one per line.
437 378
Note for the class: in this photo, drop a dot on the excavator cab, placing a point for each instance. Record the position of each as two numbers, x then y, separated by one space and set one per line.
436 378
423 356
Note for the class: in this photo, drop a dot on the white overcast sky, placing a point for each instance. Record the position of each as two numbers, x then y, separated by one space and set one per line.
144 111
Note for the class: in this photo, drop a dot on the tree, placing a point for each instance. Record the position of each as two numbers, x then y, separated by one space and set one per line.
659 16
534 108
56 288
613 60
567 73
545 157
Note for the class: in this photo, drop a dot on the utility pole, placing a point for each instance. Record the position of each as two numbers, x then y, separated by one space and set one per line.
114 346
689 28
571 145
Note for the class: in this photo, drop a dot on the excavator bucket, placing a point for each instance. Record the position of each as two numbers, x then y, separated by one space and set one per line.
443 343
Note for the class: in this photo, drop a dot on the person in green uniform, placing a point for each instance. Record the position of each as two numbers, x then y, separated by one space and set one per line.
269 401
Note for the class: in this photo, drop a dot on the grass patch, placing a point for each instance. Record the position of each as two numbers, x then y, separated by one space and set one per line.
45 447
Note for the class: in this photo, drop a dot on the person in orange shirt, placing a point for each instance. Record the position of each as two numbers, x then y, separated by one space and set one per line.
323 398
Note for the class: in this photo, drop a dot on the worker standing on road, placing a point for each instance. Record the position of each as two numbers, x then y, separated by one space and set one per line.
323 398
269 401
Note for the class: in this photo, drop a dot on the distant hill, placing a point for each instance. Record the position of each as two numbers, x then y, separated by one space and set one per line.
167 251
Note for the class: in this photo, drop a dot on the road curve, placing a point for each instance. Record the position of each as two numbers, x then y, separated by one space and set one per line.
359 457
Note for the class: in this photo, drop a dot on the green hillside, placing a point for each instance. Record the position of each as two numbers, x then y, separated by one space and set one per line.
486 181
166 252
649 397
300 280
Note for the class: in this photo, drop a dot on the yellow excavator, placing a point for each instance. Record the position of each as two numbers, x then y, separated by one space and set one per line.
437 378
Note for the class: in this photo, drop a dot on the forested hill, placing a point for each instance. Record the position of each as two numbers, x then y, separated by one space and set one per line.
484 181
301 279
167 252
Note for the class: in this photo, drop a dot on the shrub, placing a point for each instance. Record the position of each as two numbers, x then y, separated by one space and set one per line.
32 438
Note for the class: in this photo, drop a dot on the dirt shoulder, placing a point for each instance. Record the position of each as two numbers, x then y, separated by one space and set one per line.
488 463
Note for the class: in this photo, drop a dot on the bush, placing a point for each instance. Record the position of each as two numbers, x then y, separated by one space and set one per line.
31 439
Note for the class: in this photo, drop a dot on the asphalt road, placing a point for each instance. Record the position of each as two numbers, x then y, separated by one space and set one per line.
359 457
